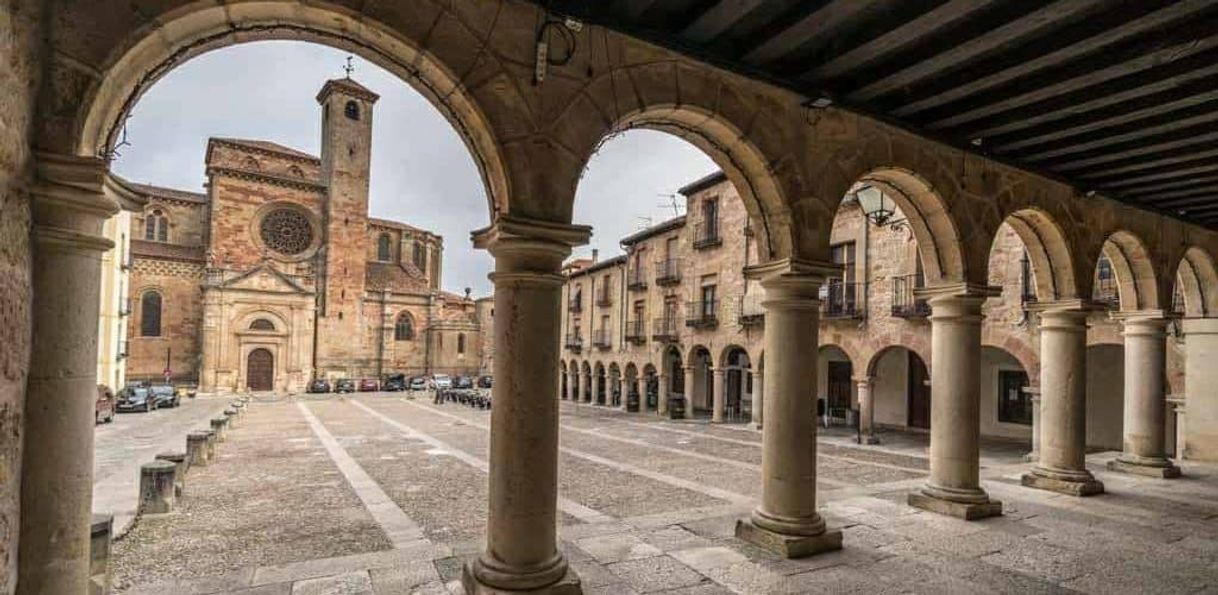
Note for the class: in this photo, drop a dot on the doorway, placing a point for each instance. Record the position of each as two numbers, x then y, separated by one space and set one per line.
260 370
919 393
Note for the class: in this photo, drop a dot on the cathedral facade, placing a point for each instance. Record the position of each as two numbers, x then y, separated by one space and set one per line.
277 274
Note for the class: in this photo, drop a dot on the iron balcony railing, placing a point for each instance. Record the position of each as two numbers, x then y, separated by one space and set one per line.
664 329
904 303
668 271
604 297
574 342
576 304
636 331
636 278
1106 293
706 235
702 314
602 339
1027 283
844 300
751 310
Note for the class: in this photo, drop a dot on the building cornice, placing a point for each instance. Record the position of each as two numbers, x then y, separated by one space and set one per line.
252 176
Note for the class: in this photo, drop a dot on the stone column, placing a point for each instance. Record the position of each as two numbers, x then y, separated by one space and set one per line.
158 483
1145 397
521 552
786 521
1034 394
662 394
718 397
1063 397
954 486
1201 376
69 209
758 399
866 410
689 392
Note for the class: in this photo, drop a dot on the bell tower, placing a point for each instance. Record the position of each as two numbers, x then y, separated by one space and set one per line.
346 147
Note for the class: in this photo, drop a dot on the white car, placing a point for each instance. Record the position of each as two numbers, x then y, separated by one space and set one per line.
443 381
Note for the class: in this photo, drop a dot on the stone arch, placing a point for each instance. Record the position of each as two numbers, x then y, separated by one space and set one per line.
246 320
698 351
404 328
436 71
159 217
1137 284
1197 282
1048 251
726 353
881 352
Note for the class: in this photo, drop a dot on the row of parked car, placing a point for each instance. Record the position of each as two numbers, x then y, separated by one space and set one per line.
138 397
398 383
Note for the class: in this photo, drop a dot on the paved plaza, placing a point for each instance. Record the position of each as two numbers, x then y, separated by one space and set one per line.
383 494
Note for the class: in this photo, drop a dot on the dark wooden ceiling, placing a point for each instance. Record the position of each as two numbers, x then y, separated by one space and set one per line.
1114 96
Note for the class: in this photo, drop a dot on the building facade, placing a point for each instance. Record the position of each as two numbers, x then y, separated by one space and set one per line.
675 320
277 274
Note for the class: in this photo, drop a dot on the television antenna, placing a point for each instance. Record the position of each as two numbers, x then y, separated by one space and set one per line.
674 201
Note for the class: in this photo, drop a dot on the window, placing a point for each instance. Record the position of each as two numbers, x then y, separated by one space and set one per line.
150 314
1027 283
383 248
251 164
1014 404
840 291
710 218
708 300
286 230
419 256
403 329
156 226
461 344
296 171
262 324
351 110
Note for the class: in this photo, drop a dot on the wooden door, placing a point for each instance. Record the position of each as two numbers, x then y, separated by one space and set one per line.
840 387
260 370
919 393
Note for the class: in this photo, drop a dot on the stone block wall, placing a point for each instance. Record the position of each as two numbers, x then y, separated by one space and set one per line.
179 284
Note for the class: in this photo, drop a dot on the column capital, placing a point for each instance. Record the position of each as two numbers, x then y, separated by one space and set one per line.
509 229
863 380
792 273
1142 323
70 204
1068 316
529 251
963 291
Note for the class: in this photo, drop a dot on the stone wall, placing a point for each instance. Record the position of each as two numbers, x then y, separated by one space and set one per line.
178 283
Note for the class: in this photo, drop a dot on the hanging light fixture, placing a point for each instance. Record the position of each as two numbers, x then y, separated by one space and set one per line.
875 204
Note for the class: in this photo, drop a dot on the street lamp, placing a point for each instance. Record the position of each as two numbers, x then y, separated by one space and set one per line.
876 205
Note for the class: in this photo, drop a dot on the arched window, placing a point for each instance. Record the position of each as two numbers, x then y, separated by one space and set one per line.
383 248
150 314
262 324
156 226
252 164
403 329
419 256
296 171
461 344
352 110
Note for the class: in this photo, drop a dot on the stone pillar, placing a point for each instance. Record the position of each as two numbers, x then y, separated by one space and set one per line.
662 394
181 463
1033 456
1201 376
521 552
719 396
758 398
689 393
196 449
231 415
210 445
219 425
954 486
1145 397
69 209
786 521
157 481
101 534
866 410
1062 466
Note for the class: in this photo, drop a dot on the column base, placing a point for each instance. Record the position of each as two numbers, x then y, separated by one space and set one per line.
1163 469
1085 485
969 511
869 439
1032 457
788 546
569 584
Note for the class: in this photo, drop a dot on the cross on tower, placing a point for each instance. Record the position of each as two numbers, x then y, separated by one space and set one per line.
349 68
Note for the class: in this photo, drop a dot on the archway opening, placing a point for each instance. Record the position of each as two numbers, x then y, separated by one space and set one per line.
601 387
737 385
835 385
1006 397
1105 396
1124 276
699 394
900 389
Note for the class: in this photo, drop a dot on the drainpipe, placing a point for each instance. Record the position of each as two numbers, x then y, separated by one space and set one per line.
431 298
380 342
866 254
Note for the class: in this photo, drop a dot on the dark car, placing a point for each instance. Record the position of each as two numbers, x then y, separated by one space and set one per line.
463 382
368 385
394 383
318 385
103 409
135 398
418 383
165 396
485 382
344 385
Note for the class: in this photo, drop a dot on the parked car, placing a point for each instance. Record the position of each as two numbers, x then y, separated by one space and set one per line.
368 385
344 385
394 383
103 410
486 382
319 385
165 396
418 383
135 398
442 381
463 382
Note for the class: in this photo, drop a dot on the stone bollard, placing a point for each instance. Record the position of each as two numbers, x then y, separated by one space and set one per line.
183 464
231 416
219 425
196 449
211 445
99 554
157 487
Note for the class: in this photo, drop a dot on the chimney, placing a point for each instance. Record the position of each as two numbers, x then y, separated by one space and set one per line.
594 253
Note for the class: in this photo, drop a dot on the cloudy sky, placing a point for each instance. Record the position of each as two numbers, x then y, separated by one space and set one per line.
421 172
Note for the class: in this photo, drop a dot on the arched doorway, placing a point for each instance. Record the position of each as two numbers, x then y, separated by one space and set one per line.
698 397
835 383
615 385
585 384
737 385
260 370
601 391
633 397
901 388
651 387
675 370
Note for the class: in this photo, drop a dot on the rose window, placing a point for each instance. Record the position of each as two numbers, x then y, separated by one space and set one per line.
286 231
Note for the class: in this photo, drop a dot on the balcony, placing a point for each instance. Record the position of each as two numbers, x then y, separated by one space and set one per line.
664 329
844 300
574 342
636 279
1107 294
706 235
604 298
752 313
575 305
636 331
702 314
124 349
904 303
602 339
668 271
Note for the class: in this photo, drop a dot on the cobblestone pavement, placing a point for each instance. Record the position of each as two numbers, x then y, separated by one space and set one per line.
382 494
132 439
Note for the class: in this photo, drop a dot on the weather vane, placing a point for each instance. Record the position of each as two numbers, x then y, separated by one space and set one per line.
349 68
